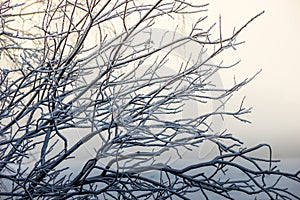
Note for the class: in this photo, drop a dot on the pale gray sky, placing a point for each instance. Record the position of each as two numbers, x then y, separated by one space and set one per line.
272 44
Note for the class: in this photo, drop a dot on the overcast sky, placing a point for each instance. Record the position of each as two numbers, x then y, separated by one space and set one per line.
273 45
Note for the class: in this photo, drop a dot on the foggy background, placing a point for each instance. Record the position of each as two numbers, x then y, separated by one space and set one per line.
273 45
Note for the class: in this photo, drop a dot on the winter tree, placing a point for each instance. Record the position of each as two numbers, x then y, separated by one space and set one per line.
99 101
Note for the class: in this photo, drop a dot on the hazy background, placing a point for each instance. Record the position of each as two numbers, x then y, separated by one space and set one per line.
273 45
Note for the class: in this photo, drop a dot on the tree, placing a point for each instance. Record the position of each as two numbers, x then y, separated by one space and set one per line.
91 76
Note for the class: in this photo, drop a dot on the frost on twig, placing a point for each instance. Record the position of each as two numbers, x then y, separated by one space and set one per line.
90 107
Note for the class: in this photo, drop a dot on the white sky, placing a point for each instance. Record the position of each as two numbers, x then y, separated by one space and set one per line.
272 44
